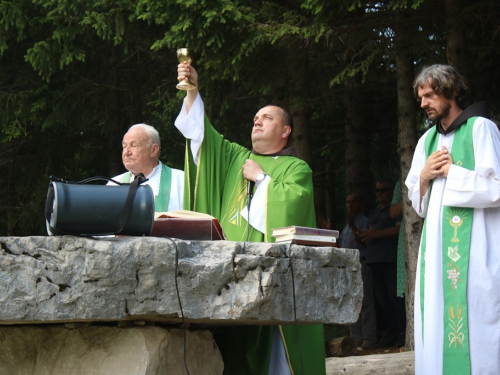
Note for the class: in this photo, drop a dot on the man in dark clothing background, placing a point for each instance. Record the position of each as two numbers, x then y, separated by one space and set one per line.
364 330
382 241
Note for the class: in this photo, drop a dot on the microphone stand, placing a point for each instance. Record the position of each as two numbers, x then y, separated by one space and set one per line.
250 185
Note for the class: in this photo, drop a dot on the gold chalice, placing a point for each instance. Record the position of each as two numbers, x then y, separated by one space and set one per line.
456 221
185 56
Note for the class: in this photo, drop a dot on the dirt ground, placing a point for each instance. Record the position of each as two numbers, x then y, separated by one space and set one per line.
392 349
333 331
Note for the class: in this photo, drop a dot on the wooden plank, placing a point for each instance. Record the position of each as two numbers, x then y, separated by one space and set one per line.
377 364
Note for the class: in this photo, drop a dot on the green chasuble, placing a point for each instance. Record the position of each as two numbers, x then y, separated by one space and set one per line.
217 187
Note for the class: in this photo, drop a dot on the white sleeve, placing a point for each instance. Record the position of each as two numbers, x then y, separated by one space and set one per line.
258 206
413 179
479 188
176 190
192 125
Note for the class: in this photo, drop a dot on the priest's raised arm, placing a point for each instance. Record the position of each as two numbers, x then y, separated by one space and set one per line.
217 173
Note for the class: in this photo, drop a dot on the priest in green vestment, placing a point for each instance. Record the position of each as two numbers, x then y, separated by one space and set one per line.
217 173
141 154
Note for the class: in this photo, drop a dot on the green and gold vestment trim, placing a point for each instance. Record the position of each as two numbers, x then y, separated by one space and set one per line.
456 236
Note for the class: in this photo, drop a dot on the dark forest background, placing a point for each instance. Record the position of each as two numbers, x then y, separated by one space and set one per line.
75 74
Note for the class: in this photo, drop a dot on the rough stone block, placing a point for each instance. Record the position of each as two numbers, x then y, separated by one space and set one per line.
72 279
56 350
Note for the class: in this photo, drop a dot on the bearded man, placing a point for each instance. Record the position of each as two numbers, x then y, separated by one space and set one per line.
454 183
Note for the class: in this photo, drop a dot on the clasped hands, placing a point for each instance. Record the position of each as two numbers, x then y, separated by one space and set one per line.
366 235
437 165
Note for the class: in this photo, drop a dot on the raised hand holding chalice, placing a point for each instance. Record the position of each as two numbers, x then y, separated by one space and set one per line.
185 56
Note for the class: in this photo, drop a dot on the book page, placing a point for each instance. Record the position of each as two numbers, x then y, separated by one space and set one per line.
185 214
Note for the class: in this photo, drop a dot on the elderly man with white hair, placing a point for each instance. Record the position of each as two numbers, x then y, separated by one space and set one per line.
141 154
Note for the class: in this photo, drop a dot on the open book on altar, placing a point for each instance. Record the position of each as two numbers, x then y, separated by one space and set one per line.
187 225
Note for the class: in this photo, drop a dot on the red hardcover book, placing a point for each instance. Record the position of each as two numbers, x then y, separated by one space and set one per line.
187 225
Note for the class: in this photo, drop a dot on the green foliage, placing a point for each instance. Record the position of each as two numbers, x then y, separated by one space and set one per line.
76 74
405 4
351 71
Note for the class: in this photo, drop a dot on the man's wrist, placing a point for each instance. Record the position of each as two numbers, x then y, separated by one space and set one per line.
259 178
424 181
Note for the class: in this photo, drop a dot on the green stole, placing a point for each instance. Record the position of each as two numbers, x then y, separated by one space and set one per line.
456 235
163 197
217 187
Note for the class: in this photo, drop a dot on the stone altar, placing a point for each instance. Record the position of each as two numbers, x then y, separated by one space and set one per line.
86 287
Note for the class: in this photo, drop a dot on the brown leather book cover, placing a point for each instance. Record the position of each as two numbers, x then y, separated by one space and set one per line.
295 229
189 227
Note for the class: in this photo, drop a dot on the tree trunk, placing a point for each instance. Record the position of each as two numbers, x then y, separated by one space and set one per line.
407 141
455 40
330 198
357 144
289 91
324 194
11 201
299 107
114 130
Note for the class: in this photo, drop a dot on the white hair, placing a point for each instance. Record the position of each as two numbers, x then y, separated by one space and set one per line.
152 135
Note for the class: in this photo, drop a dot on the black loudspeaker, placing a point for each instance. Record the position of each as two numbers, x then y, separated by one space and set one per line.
98 210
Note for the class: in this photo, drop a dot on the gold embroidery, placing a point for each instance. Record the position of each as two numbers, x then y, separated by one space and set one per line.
240 191
456 217
456 337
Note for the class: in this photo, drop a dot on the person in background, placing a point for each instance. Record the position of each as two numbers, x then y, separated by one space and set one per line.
396 211
364 330
141 154
382 243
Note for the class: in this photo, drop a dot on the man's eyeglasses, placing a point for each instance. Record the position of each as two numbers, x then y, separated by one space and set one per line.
384 190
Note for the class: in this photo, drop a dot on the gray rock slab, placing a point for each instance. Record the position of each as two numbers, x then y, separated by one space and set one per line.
65 278
376 364
56 350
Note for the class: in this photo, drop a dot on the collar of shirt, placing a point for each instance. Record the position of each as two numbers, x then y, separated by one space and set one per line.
476 109
288 151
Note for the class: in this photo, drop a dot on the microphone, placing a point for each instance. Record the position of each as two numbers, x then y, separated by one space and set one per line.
250 185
